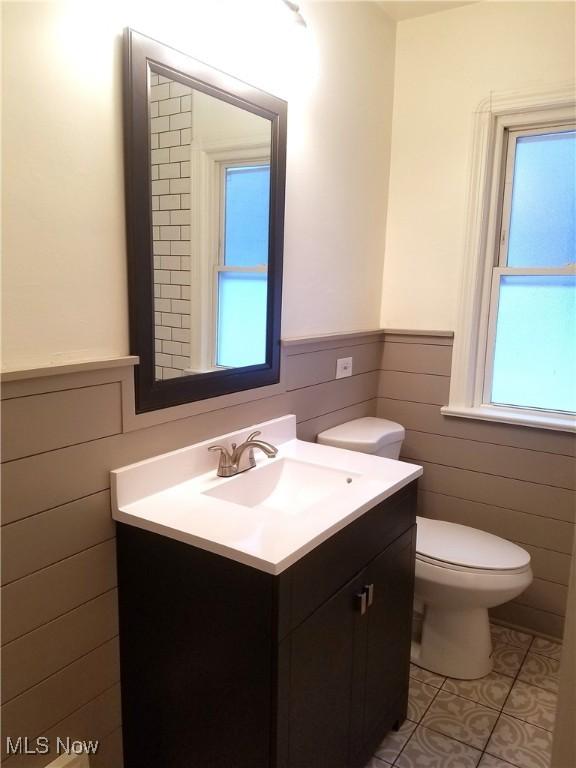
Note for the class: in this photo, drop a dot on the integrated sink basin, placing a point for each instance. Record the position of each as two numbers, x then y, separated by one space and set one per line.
267 517
284 485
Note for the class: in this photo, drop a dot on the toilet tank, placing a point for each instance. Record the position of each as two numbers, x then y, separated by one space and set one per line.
367 435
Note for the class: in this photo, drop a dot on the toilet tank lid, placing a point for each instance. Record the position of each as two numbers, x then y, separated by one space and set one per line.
367 435
461 545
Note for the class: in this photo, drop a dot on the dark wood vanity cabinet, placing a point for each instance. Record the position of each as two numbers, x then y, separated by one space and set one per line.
225 666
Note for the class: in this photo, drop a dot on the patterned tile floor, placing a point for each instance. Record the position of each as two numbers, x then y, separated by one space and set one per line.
504 720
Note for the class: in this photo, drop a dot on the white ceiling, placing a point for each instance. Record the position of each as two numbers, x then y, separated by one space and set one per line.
408 9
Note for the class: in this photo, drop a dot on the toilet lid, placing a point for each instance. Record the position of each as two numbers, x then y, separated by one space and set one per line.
368 434
467 547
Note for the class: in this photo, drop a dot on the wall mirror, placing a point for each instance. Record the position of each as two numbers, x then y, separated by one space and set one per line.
205 172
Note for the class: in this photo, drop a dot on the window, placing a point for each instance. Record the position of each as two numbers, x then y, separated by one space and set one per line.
515 347
532 340
241 272
230 205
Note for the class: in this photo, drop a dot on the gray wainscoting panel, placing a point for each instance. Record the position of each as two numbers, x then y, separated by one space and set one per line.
414 387
35 710
516 463
43 422
417 358
533 498
98 720
308 368
423 417
47 537
34 600
63 640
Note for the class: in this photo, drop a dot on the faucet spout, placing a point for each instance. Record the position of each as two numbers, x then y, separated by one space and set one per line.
267 448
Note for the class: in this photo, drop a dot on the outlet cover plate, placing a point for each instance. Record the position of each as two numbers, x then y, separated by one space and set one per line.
343 367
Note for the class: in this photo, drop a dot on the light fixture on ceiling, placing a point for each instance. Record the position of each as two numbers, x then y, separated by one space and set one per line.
295 8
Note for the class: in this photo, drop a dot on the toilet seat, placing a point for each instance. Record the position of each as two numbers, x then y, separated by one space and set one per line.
461 548
468 569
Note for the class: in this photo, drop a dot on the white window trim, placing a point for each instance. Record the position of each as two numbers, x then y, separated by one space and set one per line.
496 114
205 169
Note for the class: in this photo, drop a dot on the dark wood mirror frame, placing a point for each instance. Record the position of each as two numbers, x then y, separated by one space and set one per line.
140 52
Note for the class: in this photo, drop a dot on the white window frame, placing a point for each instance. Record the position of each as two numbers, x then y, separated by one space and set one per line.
207 161
496 118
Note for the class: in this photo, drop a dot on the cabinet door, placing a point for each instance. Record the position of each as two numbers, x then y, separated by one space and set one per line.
388 636
321 677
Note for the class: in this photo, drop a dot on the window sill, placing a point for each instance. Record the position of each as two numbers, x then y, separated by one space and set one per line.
527 418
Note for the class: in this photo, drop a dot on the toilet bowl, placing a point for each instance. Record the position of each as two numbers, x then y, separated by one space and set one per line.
460 571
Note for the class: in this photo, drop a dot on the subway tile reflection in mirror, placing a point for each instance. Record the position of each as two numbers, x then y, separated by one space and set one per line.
210 202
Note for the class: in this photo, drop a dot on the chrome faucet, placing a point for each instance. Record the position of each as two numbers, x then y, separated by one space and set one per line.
241 457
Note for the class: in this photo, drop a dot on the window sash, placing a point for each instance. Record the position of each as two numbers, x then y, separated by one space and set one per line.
512 137
220 264
497 274
224 166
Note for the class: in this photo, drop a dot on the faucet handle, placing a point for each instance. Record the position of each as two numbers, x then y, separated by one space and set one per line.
220 448
226 463
252 435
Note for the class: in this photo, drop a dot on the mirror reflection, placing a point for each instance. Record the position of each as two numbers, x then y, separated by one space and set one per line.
210 172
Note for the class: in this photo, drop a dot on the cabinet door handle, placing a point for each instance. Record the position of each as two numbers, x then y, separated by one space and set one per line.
361 597
369 589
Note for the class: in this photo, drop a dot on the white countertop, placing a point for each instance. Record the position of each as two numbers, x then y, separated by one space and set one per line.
167 495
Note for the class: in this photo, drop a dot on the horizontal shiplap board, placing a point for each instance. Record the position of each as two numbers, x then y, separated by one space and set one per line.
59 695
310 368
530 618
42 652
501 460
44 422
551 566
518 526
535 499
545 595
417 358
308 430
98 720
39 541
416 387
34 600
333 395
427 418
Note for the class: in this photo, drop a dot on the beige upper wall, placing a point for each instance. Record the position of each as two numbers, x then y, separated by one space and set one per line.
64 260
446 63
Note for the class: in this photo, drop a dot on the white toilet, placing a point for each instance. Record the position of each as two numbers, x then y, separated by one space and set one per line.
460 571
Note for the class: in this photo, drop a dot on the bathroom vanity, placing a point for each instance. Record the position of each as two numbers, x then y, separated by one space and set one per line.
295 660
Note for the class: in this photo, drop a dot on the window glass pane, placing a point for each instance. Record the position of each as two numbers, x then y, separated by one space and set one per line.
246 218
542 224
241 319
535 355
